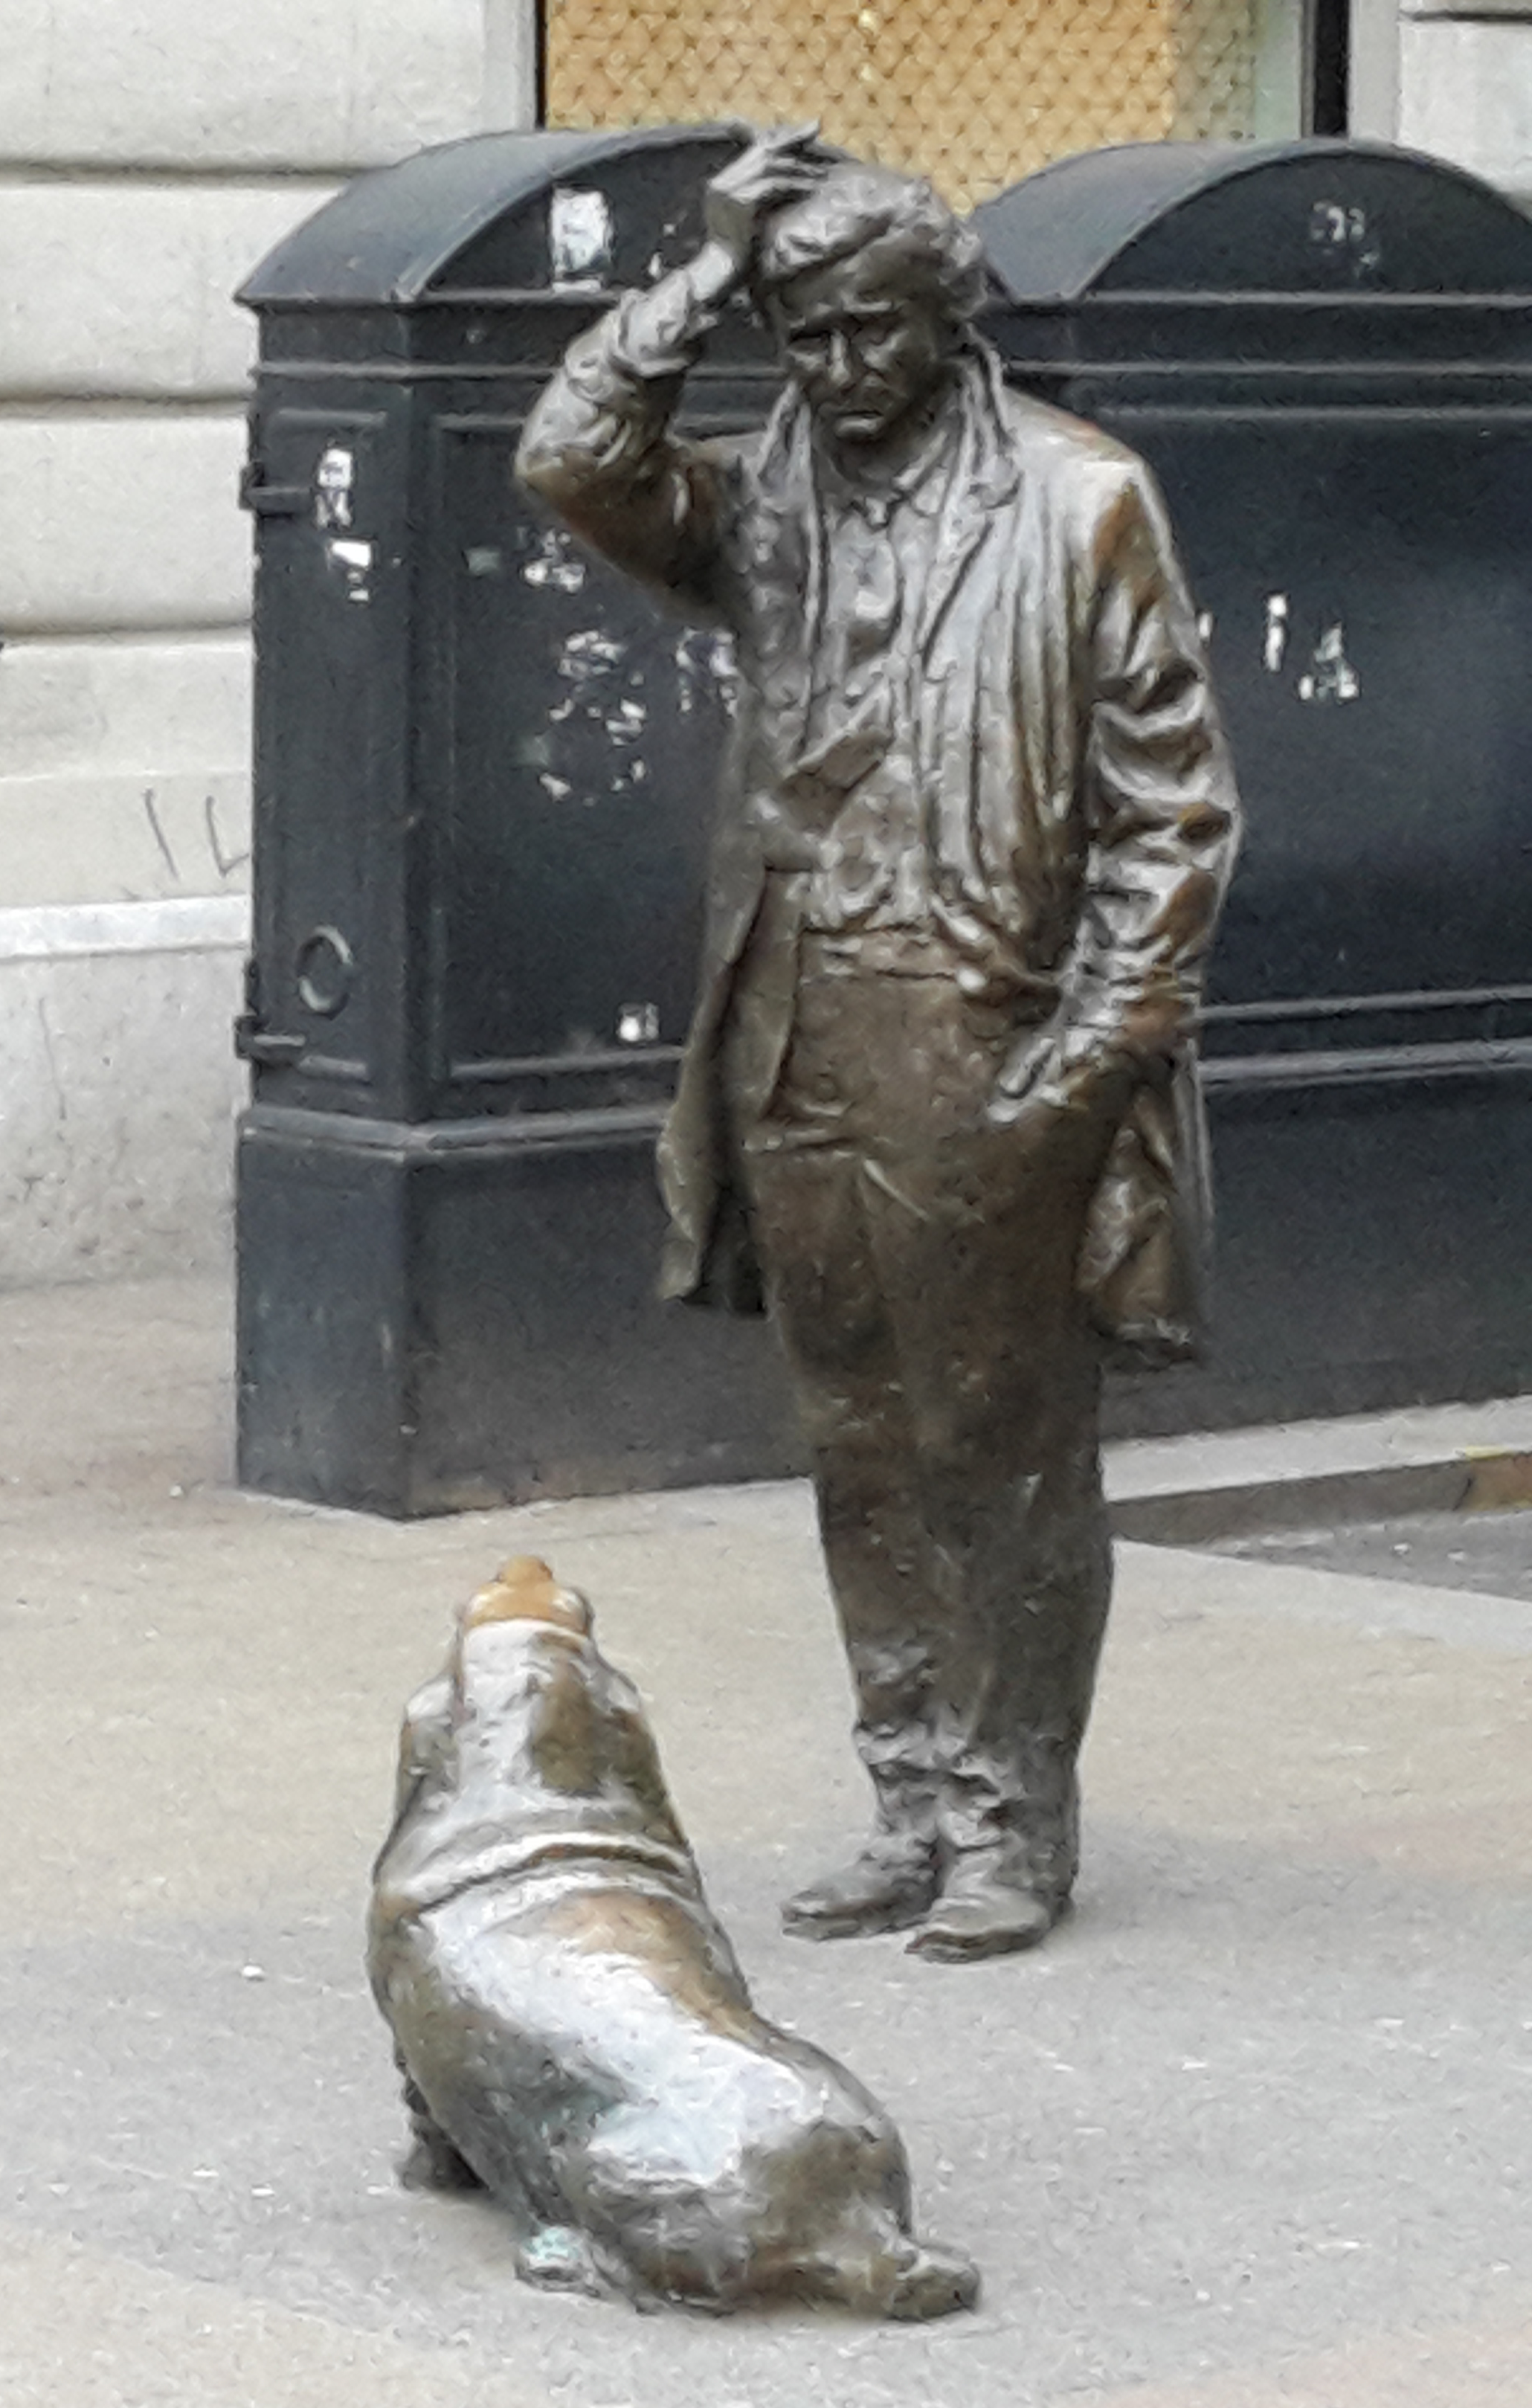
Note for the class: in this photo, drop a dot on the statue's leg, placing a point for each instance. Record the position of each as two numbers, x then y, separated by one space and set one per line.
976 1239
809 1225
1033 1554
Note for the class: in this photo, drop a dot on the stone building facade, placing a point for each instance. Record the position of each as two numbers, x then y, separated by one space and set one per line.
150 152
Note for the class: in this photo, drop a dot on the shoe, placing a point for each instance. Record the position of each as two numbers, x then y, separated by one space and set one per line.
980 1914
889 1886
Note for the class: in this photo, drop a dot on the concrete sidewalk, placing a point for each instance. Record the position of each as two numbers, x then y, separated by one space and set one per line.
1253 2128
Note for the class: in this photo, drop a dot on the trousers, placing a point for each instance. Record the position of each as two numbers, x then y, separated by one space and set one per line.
920 1267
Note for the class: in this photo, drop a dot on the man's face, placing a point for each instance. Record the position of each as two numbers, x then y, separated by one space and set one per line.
863 347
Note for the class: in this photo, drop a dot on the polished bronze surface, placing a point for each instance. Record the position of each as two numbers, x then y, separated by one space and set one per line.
573 2030
938 1106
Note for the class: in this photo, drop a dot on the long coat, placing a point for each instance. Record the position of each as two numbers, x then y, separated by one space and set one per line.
1076 786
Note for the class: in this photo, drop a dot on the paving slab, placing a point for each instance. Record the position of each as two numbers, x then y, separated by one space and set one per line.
1483 1551
1252 2128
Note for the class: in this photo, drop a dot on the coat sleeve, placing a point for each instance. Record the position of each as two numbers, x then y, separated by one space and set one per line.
600 448
1161 810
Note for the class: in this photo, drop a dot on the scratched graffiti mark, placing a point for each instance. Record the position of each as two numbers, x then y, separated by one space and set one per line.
1342 230
160 836
675 241
633 772
706 672
588 661
580 239
625 721
333 480
555 563
354 561
590 654
1332 678
224 863
1275 647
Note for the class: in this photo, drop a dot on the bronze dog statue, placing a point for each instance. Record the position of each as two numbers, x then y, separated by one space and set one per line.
574 2031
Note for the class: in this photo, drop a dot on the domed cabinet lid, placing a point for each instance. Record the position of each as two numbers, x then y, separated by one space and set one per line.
1312 217
501 212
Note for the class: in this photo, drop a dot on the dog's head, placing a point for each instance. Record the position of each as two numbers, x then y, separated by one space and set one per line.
529 1730
528 1747
532 1698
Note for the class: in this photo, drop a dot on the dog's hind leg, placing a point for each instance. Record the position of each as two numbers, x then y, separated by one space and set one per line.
908 2280
432 2161
561 2257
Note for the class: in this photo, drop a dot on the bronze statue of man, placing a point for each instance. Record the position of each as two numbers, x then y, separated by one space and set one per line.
939 1093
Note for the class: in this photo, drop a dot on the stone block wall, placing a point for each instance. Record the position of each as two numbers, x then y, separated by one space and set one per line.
150 152
1465 81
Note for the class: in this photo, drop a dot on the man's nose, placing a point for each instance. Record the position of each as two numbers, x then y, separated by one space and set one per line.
842 363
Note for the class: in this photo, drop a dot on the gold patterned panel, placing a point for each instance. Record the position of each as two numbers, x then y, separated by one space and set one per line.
972 93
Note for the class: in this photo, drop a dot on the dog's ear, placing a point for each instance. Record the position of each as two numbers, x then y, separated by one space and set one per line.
525 1590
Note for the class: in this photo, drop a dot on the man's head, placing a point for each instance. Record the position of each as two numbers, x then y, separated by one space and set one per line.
867 283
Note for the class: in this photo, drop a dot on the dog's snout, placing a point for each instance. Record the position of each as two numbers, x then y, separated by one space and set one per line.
526 1590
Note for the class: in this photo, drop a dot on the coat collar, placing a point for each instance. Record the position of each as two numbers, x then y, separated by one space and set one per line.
785 553
985 476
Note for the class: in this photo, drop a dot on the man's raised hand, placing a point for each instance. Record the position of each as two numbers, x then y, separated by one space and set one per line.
774 170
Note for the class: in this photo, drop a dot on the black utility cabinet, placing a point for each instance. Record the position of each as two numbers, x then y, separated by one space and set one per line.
483 785
1324 350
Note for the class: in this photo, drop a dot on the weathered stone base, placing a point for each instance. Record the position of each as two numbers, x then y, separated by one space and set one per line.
118 1087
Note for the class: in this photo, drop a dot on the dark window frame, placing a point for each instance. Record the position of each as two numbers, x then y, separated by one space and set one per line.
1327 76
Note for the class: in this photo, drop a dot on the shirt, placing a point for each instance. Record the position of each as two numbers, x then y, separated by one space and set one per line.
880 543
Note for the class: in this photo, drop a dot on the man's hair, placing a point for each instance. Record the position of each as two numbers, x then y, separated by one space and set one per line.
857 207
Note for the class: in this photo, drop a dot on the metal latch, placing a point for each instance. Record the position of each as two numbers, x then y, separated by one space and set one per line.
272 501
274 1047
252 1042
